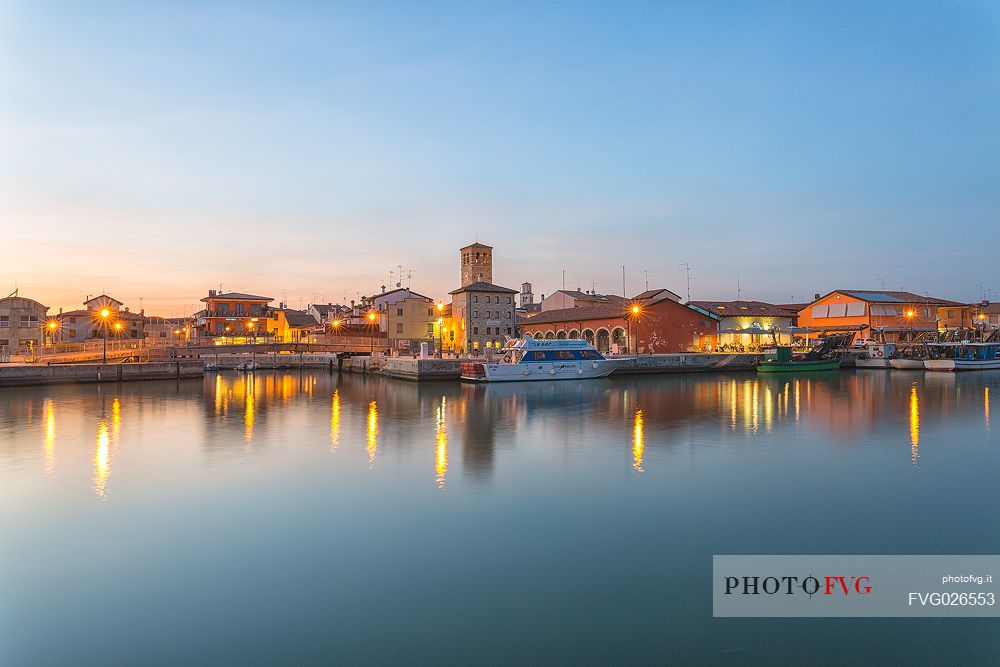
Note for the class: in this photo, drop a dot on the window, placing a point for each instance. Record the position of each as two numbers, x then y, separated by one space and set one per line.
5 321
163 334
399 327
475 299
496 299
72 320
856 309
538 356
430 330
239 309
475 314
72 333
255 309
508 331
508 314
564 355
475 331
28 320
223 308
927 312
508 299
430 312
588 354
399 312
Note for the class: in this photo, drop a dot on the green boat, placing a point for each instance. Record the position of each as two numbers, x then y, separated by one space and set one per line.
783 363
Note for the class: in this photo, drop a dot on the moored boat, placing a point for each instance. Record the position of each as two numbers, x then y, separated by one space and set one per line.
907 363
785 363
964 356
529 359
876 355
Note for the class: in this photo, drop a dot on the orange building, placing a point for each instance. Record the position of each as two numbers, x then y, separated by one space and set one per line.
898 315
235 315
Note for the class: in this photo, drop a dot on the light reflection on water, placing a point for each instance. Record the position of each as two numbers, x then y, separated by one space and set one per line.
554 482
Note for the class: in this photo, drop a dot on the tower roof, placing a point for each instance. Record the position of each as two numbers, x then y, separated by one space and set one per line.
477 244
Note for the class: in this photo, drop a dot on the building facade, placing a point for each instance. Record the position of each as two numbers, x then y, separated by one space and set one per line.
407 318
899 316
750 324
650 326
482 317
235 315
482 314
23 325
89 323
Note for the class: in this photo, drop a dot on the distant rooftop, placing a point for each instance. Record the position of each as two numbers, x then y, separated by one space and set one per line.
894 296
745 308
238 296
483 287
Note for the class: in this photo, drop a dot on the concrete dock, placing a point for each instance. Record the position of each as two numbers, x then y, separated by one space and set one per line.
21 375
406 368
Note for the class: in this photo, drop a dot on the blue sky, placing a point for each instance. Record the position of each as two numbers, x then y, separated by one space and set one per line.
160 149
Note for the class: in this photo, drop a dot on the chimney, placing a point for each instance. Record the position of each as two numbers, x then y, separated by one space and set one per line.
816 296
211 293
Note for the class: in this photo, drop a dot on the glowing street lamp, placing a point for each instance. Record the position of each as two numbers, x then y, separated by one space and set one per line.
371 319
635 318
104 325
440 324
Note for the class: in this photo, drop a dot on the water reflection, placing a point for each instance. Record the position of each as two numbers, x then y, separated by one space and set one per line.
50 438
848 408
248 408
102 466
335 420
986 407
441 449
638 442
372 445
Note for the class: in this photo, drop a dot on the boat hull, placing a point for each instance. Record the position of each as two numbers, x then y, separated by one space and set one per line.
863 362
946 365
535 372
904 364
798 366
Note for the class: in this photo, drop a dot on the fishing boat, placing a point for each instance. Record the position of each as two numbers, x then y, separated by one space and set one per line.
875 355
783 362
907 363
963 356
527 359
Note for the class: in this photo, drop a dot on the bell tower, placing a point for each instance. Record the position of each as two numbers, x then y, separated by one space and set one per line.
477 264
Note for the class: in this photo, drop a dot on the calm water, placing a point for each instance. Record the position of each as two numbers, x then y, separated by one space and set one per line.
301 517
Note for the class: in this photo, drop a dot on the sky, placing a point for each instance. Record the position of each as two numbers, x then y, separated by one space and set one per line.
304 150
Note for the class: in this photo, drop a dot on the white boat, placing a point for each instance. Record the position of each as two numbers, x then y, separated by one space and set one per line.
964 356
907 363
876 355
526 359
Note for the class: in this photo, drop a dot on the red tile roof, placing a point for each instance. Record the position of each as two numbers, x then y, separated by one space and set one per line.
743 308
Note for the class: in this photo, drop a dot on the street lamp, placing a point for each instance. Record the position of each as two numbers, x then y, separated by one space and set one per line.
53 325
371 319
440 335
635 318
104 324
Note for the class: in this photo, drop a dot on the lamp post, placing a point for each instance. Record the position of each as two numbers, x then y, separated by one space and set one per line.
635 318
909 320
440 324
104 325
371 320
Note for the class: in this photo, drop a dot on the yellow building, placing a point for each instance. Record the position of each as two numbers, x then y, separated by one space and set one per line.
407 319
